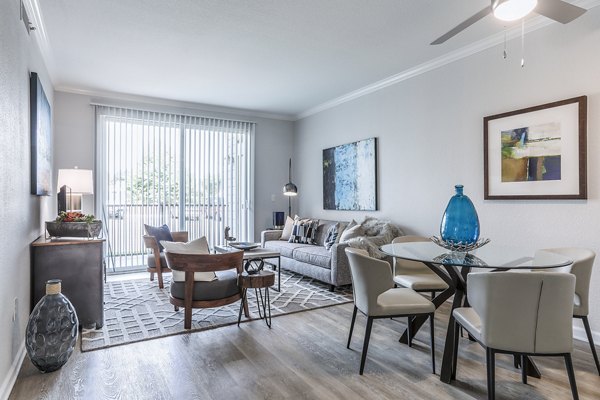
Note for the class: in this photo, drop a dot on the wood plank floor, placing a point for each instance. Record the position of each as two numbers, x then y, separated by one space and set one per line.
304 356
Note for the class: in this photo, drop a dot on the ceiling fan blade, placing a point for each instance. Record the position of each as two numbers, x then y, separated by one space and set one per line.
463 25
559 10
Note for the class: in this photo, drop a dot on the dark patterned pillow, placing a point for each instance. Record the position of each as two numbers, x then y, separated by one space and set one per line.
160 233
332 235
304 231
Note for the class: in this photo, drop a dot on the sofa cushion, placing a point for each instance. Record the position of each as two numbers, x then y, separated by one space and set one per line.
315 255
285 248
304 231
322 230
224 286
332 236
287 228
159 233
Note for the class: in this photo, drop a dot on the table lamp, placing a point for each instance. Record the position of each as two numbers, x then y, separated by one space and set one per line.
73 183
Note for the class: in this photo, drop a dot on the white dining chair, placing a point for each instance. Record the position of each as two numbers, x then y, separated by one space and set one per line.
376 297
522 314
416 275
583 261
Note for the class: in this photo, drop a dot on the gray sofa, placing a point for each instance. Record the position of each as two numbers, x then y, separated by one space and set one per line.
329 266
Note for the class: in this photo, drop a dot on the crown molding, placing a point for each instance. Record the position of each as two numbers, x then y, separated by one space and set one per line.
40 35
532 25
132 100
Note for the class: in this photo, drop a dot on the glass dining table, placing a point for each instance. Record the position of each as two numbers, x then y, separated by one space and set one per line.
453 268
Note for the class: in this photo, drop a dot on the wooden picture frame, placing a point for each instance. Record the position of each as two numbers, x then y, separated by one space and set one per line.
41 138
537 153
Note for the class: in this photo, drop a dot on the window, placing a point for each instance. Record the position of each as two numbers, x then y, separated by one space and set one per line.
191 173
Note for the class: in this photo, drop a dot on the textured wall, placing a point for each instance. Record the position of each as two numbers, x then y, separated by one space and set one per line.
21 213
74 121
430 138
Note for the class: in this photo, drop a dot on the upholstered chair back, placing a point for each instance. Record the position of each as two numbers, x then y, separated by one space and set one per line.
370 278
583 261
528 312
407 266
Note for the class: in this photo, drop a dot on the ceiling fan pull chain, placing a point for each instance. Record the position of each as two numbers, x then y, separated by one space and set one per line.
504 53
522 42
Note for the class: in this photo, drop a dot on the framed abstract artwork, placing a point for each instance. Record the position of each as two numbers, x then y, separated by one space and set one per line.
537 153
350 176
41 138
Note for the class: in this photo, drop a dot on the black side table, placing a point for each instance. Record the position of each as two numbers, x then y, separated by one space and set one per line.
259 281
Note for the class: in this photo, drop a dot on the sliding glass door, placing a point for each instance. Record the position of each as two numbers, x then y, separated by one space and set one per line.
191 173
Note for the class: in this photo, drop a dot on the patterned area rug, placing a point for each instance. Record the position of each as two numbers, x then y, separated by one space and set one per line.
137 310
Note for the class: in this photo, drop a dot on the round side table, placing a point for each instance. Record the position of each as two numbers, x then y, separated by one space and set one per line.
259 281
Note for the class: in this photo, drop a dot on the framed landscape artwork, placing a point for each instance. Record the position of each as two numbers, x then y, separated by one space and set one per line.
537 152
41 139
350 176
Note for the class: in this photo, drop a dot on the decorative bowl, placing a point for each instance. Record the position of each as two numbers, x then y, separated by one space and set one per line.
74 229
459 246
244 245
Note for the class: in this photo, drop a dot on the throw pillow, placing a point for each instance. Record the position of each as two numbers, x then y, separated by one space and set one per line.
287 228
198 246
351 233
159 233
304 231
332 235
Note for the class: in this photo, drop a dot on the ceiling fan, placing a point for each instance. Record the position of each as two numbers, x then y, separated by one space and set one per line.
511 10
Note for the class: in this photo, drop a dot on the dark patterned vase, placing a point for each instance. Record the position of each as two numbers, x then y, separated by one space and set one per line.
52 329
460 223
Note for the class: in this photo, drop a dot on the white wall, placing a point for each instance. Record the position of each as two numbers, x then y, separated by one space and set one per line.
74 146
21 213
430 138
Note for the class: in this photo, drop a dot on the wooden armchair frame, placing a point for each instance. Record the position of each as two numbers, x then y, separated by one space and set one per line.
151 243
190 263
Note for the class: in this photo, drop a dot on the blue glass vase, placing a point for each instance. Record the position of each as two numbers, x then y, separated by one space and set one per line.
460 223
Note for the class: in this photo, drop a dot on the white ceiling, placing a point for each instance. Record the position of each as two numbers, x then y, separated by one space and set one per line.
272 56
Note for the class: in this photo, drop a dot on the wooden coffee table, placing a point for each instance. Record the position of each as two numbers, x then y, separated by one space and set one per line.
258 281
258 254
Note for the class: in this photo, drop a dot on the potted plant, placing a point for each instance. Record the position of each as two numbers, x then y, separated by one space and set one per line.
74 224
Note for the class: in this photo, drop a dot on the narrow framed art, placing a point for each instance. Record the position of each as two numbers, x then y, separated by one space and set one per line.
41 138
350 176
537 153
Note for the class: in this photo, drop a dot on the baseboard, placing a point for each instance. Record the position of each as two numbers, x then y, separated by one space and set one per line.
579 332
11 376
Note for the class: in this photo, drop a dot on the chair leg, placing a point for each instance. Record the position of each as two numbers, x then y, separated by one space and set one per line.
490 356
455 353
571 373
160 277
432 332
363 357
409 333
352 326
151 276
588 332
176 308
523 369
187 318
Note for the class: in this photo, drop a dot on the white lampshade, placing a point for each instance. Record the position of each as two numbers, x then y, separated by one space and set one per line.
78 180
511 10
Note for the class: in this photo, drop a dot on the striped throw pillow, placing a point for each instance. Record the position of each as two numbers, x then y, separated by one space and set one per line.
304 231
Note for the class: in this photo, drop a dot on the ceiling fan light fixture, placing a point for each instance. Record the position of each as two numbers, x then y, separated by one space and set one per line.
512 10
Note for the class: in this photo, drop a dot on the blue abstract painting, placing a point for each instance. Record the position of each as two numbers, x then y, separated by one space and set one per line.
350 176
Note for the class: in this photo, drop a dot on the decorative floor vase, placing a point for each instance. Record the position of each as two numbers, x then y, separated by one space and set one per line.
52 329
460 223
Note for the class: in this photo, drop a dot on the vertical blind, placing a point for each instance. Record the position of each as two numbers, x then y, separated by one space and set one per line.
191 173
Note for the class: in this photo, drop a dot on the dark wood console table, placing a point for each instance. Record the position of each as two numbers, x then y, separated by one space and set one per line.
79 264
